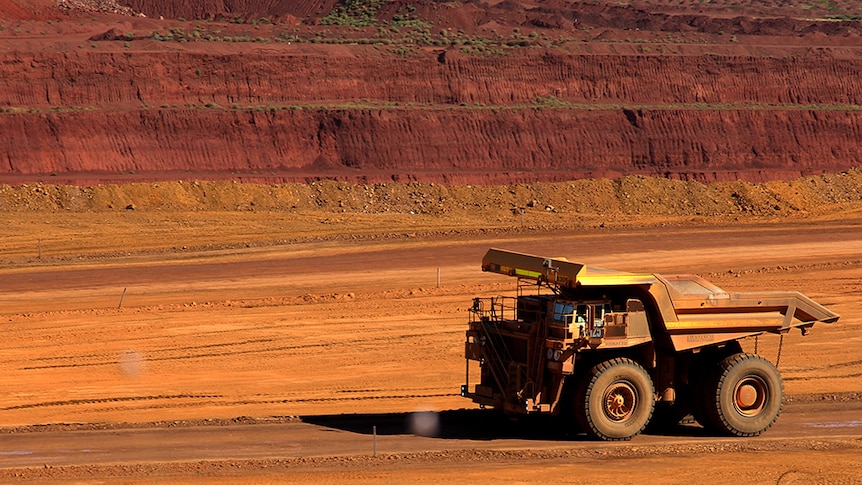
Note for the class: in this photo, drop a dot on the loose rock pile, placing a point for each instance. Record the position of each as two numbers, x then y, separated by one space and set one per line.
633 196
102 6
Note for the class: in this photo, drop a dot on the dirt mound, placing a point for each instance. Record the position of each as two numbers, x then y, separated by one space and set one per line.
598 200
102 6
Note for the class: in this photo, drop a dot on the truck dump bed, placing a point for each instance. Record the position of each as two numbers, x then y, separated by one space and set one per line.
693 311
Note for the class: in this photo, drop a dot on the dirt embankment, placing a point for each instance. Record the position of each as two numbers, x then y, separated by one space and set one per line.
284 75
451 146
759 18
438 116
460 92
589 202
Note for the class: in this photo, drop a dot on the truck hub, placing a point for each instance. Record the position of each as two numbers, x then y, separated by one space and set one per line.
750 394
620 401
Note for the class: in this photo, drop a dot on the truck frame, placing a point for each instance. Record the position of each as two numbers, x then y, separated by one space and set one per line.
606 347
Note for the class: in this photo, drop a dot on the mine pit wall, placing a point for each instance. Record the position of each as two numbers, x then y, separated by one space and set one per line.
110 79
473 146
439 116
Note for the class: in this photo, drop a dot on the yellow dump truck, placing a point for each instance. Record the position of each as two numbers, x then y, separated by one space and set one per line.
606 347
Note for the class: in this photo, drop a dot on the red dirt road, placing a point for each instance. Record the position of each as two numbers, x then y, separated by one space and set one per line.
468 445
316 342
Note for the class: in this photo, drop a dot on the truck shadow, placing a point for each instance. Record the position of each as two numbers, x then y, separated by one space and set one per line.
475 424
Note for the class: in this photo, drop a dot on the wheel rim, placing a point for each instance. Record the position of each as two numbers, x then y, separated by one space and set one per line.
620 401
749 396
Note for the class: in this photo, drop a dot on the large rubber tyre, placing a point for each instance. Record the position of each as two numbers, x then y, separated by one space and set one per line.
615 400
703 380
704 372
747 396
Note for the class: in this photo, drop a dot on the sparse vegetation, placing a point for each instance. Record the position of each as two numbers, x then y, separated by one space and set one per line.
844 16
354 13
405 38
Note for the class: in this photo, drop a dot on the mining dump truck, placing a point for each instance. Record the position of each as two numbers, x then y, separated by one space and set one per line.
605 349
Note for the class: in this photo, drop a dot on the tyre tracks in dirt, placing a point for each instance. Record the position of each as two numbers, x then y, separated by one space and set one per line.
369 340
465 442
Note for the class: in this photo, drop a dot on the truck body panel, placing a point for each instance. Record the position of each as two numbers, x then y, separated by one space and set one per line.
571 322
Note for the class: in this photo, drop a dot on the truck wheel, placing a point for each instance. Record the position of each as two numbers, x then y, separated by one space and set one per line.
615 400
748 395
702 397
704 372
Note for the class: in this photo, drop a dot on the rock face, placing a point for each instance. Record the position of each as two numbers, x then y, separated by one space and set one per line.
356 74
119 104
447 145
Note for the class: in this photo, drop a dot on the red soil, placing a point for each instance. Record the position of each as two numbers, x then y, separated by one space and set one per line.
31 10
246 9
459 146
596 90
